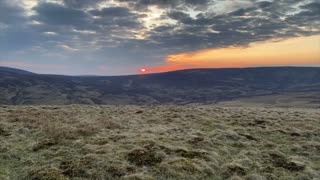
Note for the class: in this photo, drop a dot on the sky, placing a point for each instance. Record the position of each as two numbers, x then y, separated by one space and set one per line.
117 37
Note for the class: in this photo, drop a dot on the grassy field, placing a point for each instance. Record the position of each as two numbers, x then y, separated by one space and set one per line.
158 142
285 100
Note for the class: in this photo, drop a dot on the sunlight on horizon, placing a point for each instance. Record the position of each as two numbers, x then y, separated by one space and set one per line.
293 51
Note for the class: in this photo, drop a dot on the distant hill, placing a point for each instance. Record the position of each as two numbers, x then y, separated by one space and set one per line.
177 87
14 70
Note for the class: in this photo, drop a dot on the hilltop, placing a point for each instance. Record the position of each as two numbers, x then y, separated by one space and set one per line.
203 86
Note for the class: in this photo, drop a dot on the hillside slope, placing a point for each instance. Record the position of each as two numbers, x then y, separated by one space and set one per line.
177 87
14 70
158 142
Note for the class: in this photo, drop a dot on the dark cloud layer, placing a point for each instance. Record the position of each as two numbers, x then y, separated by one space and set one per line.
112 12
81 3
55 14
122 31
10 14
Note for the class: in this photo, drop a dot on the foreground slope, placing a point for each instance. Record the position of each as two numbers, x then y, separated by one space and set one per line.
158 142
178 87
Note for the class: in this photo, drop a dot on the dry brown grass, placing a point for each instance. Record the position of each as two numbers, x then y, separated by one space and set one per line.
158 142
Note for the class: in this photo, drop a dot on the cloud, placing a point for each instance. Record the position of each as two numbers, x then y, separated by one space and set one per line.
81 3
248 22
23 65
264 4
180 16
50 33
68 48
143 4
112 12
84 31
10 14
138 32
312 6
56 14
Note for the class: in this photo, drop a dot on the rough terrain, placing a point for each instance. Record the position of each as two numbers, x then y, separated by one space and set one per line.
158 142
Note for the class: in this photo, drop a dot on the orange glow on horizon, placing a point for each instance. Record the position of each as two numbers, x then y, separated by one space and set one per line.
294 51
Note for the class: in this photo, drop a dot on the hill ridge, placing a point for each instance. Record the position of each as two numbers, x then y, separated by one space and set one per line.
205 86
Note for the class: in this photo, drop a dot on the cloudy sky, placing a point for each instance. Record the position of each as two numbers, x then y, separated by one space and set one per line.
111 37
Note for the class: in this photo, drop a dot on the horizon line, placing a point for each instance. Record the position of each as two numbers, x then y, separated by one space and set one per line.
185 69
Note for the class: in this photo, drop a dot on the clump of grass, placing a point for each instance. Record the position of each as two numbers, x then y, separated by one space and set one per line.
4 132
191 154
86 129
144 157
43 144
279 160
72 168
58 131
255 177
108 123
232 169
45 173
138 176
183 168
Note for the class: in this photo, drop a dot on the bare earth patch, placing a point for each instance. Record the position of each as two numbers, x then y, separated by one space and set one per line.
158 142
